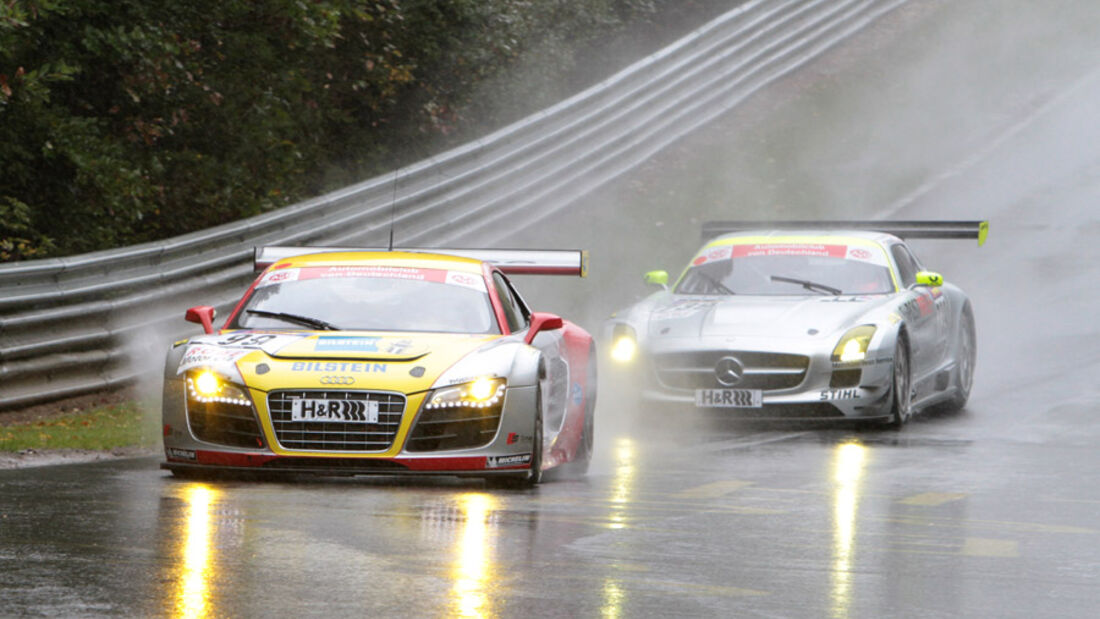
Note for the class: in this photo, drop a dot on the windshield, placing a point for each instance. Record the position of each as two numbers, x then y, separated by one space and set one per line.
788 269
369 298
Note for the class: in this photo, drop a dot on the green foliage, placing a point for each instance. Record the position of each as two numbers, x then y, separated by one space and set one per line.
124 425
123 121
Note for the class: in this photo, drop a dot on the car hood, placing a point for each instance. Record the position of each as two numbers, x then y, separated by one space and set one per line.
268 360
758 316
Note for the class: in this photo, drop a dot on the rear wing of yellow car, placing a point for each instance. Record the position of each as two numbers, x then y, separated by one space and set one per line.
901 229
510 261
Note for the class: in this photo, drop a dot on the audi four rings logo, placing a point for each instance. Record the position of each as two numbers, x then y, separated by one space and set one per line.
729 371
337 380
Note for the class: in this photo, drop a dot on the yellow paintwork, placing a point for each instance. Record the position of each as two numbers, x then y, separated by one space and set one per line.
373 371
816 239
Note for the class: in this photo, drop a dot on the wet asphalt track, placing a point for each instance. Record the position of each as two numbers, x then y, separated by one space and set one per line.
991 512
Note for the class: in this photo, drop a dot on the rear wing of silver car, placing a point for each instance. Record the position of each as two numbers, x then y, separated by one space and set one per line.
901 229
510 261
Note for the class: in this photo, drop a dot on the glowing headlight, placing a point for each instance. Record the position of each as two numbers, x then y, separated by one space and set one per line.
624 344
481 393
853 346
206 386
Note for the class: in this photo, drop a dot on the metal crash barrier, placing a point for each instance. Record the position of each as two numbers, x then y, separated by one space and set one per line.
86 323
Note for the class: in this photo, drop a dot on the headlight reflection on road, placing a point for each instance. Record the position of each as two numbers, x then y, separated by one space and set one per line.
194 586
848 466
622 488
473 568
622 493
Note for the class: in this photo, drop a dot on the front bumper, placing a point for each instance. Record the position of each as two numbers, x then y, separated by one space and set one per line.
823 389
508 452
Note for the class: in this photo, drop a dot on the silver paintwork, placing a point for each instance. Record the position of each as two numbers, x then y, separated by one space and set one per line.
810 325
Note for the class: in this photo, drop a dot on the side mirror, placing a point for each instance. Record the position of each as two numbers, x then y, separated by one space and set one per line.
656 278
542 321
204 315
929 278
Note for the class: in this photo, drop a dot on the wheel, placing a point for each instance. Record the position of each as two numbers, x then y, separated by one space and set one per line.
902 408
964 368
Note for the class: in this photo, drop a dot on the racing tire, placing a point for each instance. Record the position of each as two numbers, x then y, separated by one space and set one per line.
901 409
964 367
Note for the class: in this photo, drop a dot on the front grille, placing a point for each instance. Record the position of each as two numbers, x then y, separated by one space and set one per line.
224 423
762 370
336 435
459 427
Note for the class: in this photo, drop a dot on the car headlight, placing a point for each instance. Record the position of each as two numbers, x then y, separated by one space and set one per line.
482 392
624 343
853 346
207 386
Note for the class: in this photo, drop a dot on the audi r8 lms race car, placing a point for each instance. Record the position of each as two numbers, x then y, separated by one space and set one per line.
802 320
390 362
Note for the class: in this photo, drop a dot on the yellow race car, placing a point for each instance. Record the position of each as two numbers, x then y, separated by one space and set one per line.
347 362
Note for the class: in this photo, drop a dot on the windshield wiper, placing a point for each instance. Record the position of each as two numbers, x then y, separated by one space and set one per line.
718 285
808 285
316 323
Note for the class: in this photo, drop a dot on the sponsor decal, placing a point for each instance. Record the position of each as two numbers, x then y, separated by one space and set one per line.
353 411
279 276
713 254
496 462
202 355
728 398
350 344
515 437
331 343
577 394
466 280
847 365
790 249
456 278
339 366
840 394
180 454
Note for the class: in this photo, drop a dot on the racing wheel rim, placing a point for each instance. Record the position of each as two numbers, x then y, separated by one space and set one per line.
903 395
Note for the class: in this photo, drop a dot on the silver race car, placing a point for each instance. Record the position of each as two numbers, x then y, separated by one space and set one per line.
802 320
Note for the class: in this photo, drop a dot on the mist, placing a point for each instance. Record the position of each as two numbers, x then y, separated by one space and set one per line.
869 130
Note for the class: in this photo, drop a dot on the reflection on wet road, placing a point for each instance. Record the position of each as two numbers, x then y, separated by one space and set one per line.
847 471
195 575
472 573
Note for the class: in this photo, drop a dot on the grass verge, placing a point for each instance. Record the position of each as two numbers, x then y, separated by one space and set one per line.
105 428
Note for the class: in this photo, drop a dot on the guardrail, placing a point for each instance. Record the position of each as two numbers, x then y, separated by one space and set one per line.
80 324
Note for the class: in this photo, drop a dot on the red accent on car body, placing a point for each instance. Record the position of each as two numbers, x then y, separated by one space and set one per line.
542 321
442 464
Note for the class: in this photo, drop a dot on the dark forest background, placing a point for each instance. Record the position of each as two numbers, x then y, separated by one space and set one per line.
125 121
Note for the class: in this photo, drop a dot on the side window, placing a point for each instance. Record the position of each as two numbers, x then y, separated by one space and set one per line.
521 305
907 265
513 312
